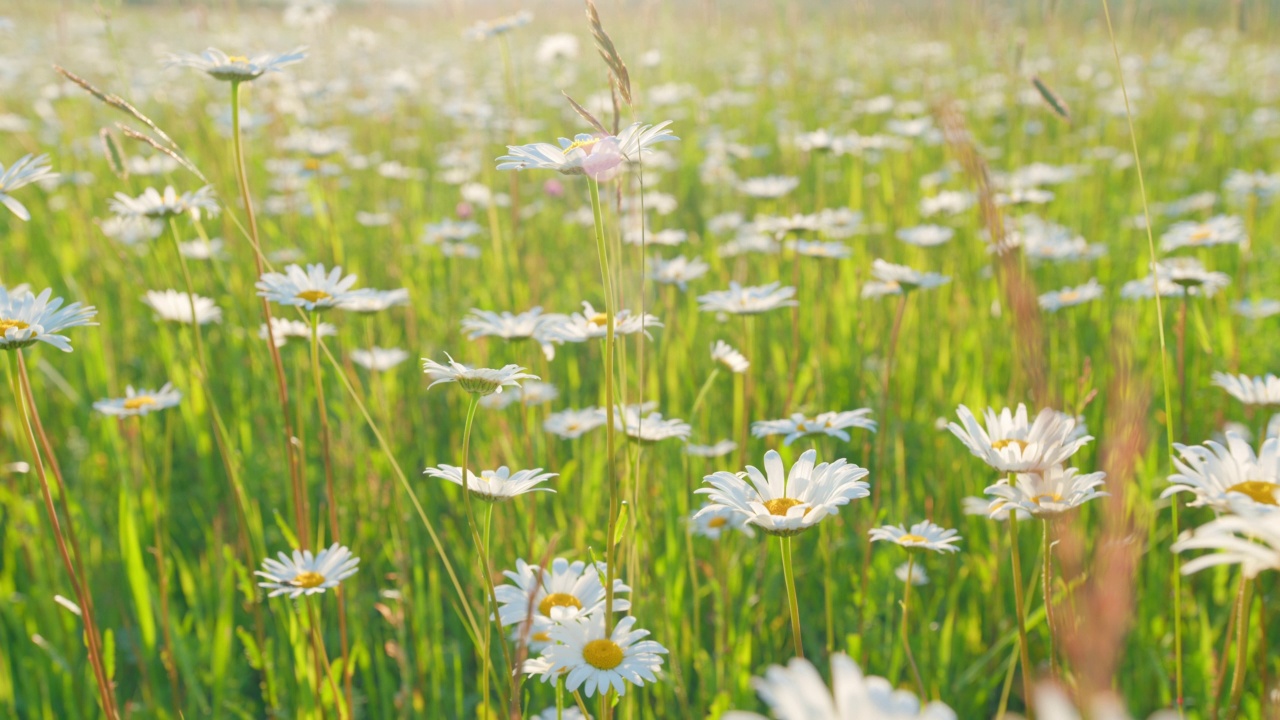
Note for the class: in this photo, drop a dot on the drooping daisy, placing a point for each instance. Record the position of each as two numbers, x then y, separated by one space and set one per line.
596 661
370 301
1012 443
560 593
532 325
787 503
379 359
313 289
677 271
724 353
308 574
26 170
720 449
585 154
1217 474
1071 296
495 485
831 424
893 279
154 204
1044 494
1250 390
235 68
740 300
140 402
650 428
26 319
713 521
594 324
1218 230
1250 540
477 381
922 536
283 328
797 692
572 424
175 306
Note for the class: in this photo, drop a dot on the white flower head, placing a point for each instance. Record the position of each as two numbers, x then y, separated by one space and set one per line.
544 597
312 289
168 204
740 300
477 381
26 170
1219 474
532 324
1046 494
175 306
1250 390
923 535
713 521
572 424
649 428
140 402
724 353
594 324
378 359
1055 300
369 301
830 424
677 271
308 574
495 485
26 319
235 68
595 155
1250 540
891 279
596 661
283 328
1010 442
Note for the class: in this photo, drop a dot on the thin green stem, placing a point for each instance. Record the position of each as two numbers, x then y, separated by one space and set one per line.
906 636
1046 577
788 576
1243 598
609 427
1023 648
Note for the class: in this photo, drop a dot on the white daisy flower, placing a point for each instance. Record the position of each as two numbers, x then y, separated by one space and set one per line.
594 324
1250 540
922 536
1216 474
585 154
595 661
897 279
1048 493
913 573
131 229
1257 310
713 521
544 597
568 713
312 289
1012 443
831 424
982 506
1218 230
307 574
26 170
536 392
649 428
492 28
740 300
495 485
530 325
175 306
768 186
720 449
26 319
1250 390
282 329
797 692
926 235
370 301
379 359
573 424
154 204
787 503
198 249
140 402
235 68
677 271
1071 296
477 381
724 353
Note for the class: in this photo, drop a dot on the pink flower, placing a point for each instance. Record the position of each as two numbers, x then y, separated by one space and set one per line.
604 157
553 188
464 210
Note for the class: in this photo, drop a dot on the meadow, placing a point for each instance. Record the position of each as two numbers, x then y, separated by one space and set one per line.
495 455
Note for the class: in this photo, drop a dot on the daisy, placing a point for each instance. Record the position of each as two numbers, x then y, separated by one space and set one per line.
379 359
596 661
486 29
198 249
787 503
720 449
175 306
235 68
594 324
797 692
740 300
982 506
723 353
142 402
585 154
1216 474
370 301
768 187
569 713
28 169
1012 443
536 392
1257 310
831 424
911 572
677 271
477 381
951 202
898 279
154 204
1071 296
922 536
1250 390
530 325
307 574
1218 230
573 424
26 319
1250 540
282 329
926 235
818 249
717 520
560 593
650 428
131 229
313 289
1048 493
495 485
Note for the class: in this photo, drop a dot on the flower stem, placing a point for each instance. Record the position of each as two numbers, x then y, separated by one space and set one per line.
1023 649
789 577
906 641
1243 598
318 644
609 427
1046 576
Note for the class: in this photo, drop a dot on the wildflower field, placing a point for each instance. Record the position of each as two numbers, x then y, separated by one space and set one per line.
639 359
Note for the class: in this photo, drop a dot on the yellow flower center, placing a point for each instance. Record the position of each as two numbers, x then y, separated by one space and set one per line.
1069 296
717 522
541 637
313 295
599 319
6 325
1202 233
780 506
558 600
238 59
312 164
581 144
308 580
1002 444
912 539
602 654
139 402
1050 497
1259 491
